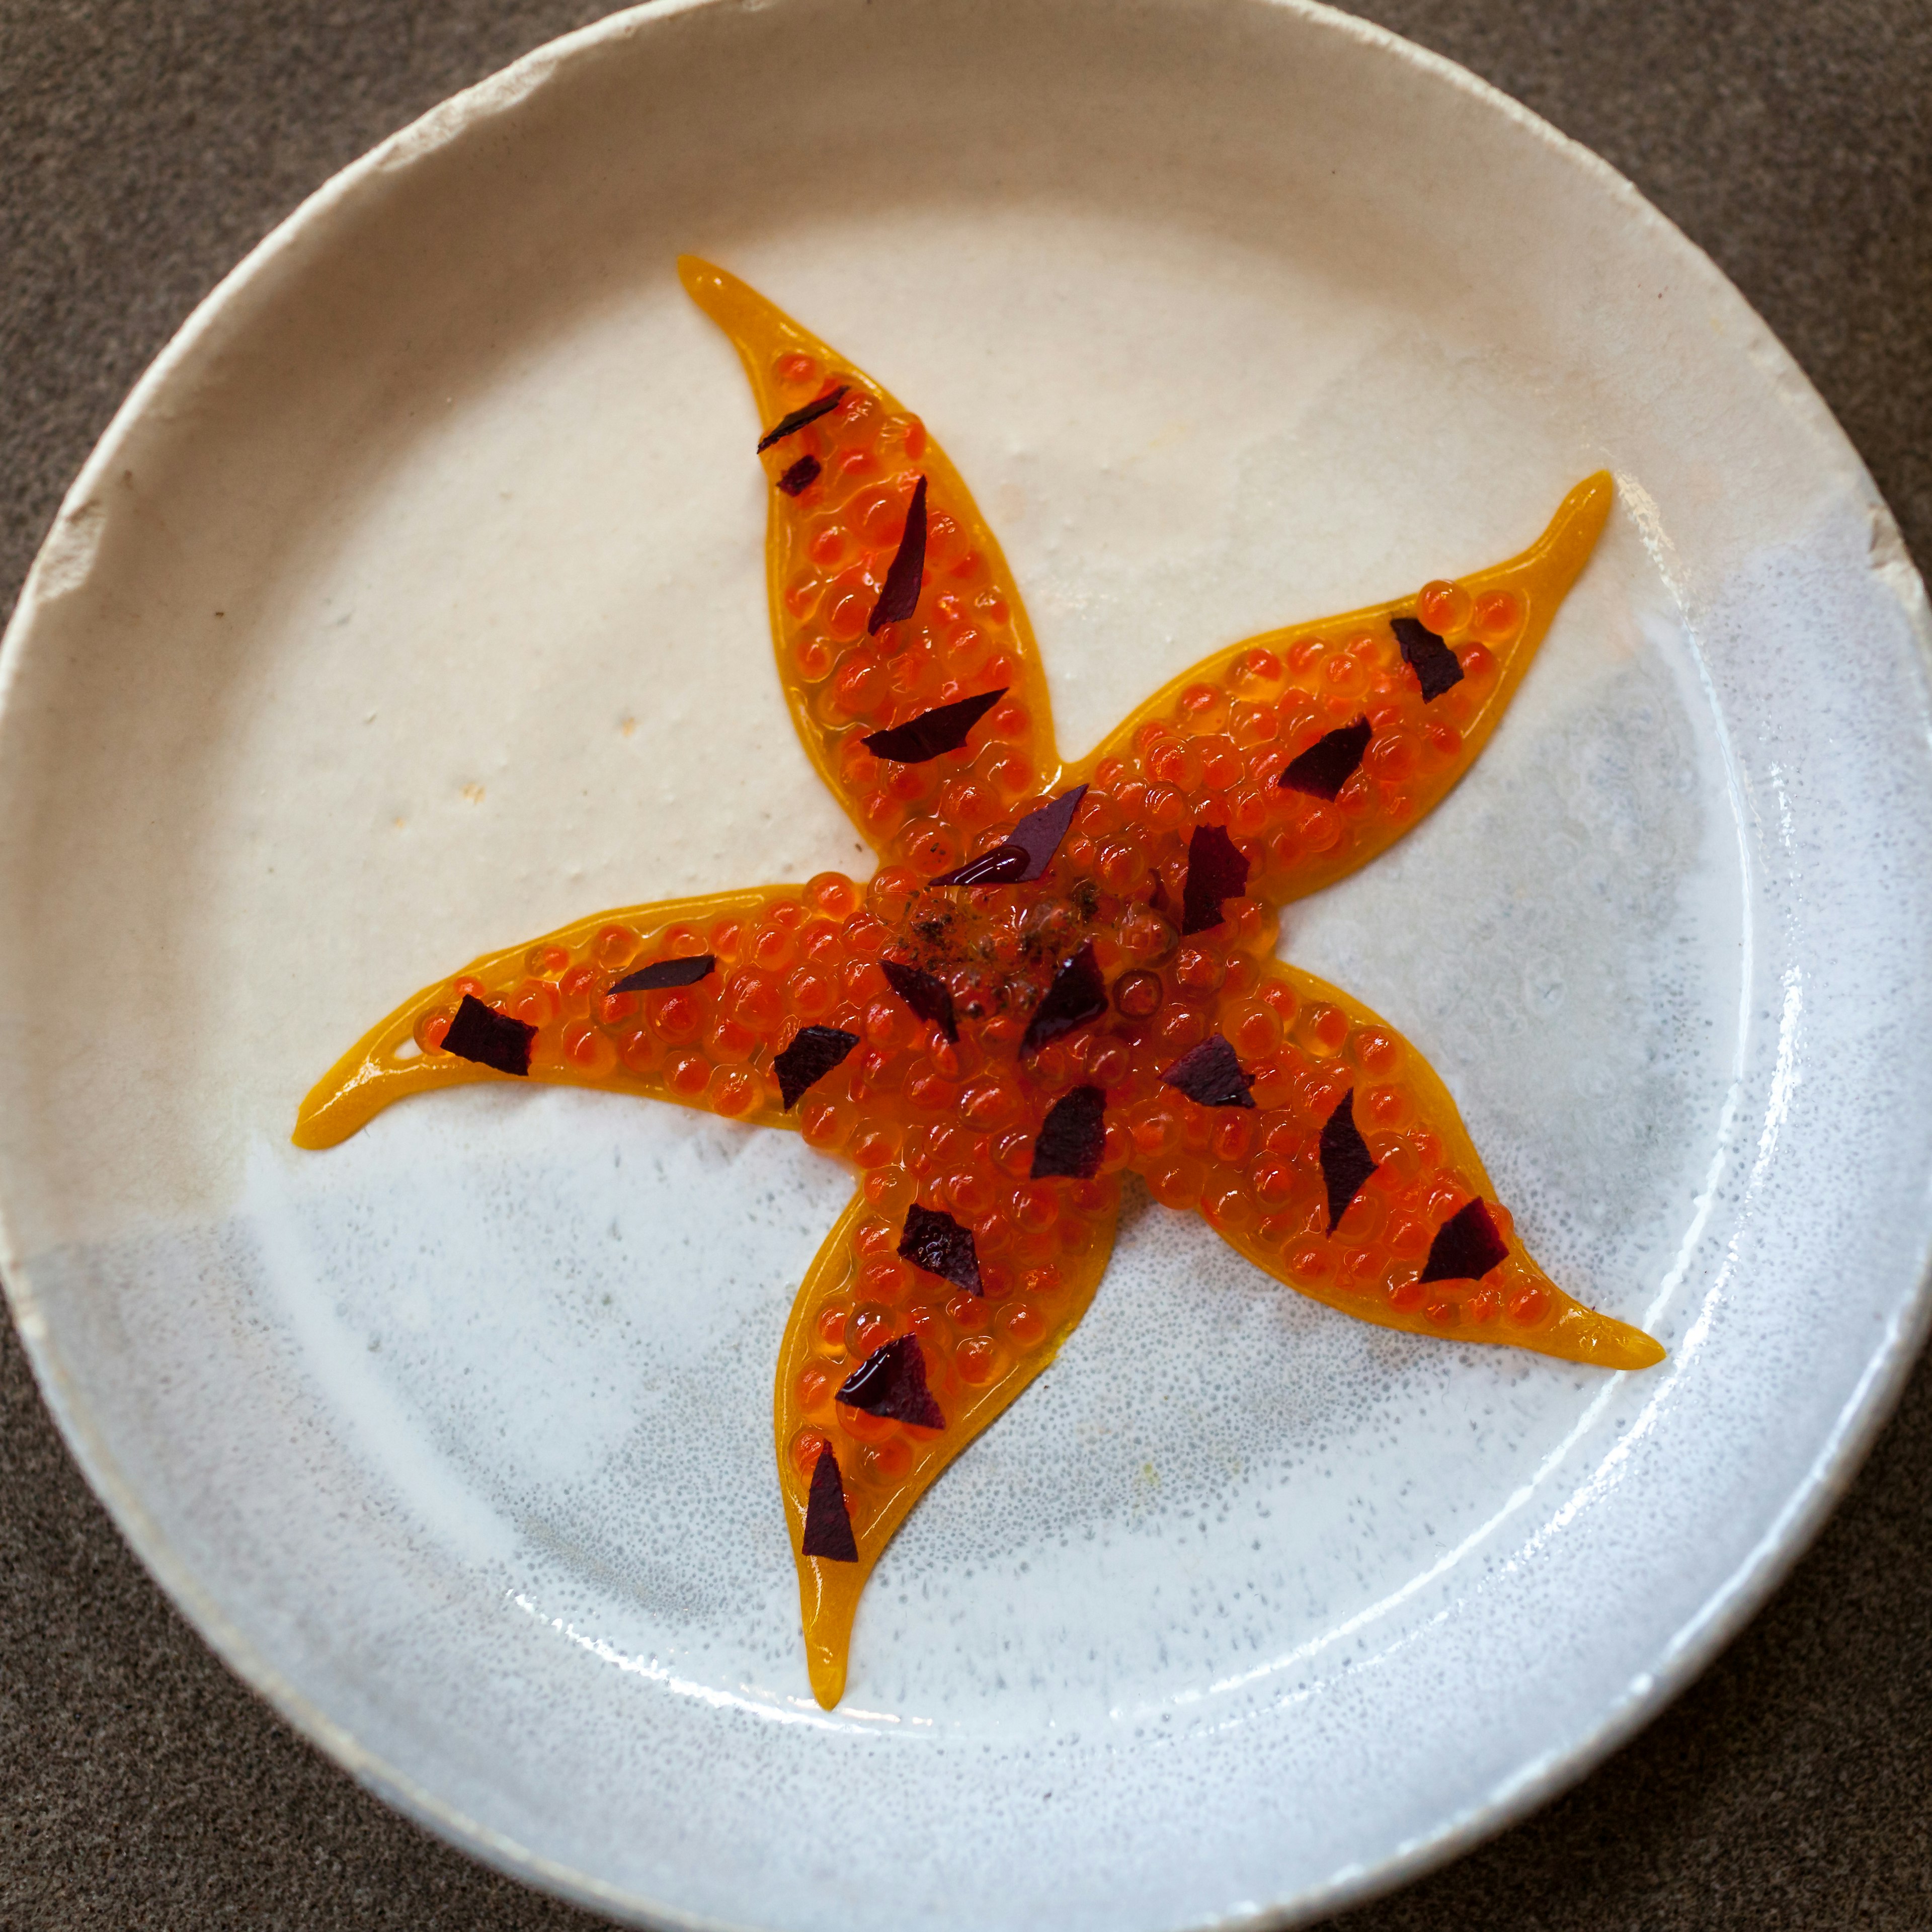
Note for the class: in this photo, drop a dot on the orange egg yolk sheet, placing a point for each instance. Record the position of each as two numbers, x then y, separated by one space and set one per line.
989 1059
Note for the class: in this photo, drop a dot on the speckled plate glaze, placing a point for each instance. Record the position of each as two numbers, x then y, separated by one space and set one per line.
414 603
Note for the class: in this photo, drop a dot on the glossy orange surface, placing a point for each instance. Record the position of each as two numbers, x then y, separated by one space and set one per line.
991 1057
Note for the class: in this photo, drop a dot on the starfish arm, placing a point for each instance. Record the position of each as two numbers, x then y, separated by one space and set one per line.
780 958
863 646
919 1338
1321 745
1351 1177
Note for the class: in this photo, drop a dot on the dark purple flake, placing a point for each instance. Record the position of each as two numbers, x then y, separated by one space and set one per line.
791 425
1210 1076
899 598
491 1038
1428 656
1039 834
828 1528
663 972
937 1243
812 1055
800 476
1002 866
1346 1161
926 993
1329 763
1027 854
1079 994
1216 870
891 1382
1466 1246
933 733
1072 1137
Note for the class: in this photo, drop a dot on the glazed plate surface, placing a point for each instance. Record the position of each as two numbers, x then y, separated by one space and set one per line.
415 604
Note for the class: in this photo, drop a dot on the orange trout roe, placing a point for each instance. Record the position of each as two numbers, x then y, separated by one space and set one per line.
1095 991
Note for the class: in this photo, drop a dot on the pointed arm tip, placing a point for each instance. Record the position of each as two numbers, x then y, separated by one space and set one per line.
707 285
1566 546
1584 1335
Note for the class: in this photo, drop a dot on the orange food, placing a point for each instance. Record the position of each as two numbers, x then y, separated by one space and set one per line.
990 1057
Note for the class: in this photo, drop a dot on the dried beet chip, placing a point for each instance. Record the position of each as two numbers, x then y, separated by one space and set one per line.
1077 995
813 1054
1072 1137
828 1528
926 993
1329 763
791 425
1216 870
1428 656
891 1382
1466 1246
1027 854
491 1038
1210 1076
1003 865
800 476
932 733
663 972
937 1243
1039 834
899 597
1346 1161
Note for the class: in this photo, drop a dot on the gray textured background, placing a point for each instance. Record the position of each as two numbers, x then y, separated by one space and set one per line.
144 148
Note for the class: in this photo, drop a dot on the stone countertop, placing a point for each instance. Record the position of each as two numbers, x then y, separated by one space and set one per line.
145 148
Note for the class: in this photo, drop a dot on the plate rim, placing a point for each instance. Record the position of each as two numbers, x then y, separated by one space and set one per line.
1728 1608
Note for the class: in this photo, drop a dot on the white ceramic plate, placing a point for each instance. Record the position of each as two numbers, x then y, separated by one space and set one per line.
394 618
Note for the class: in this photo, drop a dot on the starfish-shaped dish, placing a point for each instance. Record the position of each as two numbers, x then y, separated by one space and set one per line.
1055 975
